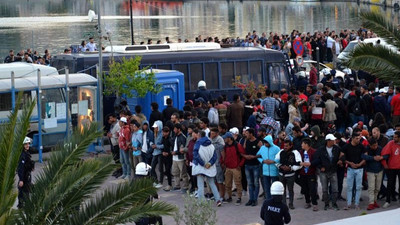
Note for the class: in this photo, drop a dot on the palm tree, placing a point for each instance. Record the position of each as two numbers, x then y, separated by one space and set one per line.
12 134
378 60
68 190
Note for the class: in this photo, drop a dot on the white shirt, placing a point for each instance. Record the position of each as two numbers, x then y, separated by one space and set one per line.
329 42
91 47
337 48
115 128
144 145
176 149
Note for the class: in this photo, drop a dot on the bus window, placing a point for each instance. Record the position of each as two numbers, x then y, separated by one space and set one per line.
211 71
6 101
242 71
164 67
196 75
227 74
274 72
51 96
256 72
183 68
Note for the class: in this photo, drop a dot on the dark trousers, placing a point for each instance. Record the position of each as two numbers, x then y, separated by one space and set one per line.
165 169
288 183
340 176
309 187
156 160
244 179
146 158
23 192
391 185
329 54
192 179
115 153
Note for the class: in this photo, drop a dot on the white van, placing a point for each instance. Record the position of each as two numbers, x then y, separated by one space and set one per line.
354 43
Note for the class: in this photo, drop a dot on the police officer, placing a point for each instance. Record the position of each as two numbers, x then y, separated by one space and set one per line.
273 211
25 168
202 92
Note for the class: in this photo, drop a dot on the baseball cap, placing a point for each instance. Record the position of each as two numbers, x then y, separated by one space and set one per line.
382 90
123 119
330 137
227 135
234 130
246 128
154 125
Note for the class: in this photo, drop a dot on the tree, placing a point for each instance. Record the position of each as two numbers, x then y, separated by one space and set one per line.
378 60
125 78
68 190
12 134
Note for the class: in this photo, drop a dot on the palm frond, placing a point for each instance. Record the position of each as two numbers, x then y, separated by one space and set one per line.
125 203
383 27
12 134
377 60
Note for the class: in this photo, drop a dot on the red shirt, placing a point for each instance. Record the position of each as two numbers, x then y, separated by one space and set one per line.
395 103
313 77
393 151
303 96
124 137
233 158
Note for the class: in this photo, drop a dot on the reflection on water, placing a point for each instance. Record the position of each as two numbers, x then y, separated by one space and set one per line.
61 23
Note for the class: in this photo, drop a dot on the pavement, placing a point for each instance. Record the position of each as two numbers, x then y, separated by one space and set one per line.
229 214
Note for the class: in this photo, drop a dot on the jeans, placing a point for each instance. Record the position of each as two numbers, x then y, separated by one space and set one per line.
289 183
268 180
211 184
252 174
326 179
354 174
126 165
154 161
374 185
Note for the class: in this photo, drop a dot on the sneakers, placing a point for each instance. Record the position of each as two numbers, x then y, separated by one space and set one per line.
326 207
249 203
176 189
307 206
127 177
356 207
219 203
376 205
167 188
371 207
238 202
335 207
291 206
122 177
346 207
315 208
387 204
227 200
254 203
156 185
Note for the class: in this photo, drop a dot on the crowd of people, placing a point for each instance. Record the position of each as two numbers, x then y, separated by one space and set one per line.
324 133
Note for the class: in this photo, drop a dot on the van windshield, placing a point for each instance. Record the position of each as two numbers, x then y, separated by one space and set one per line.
350 47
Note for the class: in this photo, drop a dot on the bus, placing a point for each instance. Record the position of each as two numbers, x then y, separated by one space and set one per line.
217 66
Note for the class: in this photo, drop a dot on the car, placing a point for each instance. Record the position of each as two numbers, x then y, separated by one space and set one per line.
323 69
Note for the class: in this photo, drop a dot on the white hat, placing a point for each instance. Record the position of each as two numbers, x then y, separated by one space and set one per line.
302 74
234 130
347 71
201 84
27 140
246 128
330 137
123 119
277 188
154 125
142 169
382 90
326 71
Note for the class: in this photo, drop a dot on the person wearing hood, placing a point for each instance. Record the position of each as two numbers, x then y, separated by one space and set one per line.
381 104
157 147
219 144
148 141
204 160
25 167
317 140
269 171
136 144
202 91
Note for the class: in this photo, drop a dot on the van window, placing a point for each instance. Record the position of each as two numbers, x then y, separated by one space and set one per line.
277 76
183 68
196 75
242 71
211 72
6 102
227 77
256 72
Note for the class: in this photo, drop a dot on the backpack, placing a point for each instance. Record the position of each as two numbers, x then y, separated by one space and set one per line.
357 108
282 110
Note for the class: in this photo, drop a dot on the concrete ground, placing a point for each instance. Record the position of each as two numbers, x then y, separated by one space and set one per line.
230 214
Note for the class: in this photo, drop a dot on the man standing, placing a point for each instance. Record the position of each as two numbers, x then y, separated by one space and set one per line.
233 161
166 159
179 170
113 135
148 141
352 154
269 171
235 113
391 153
91 46
327 160
25 168
288 162
395 107
219 144
124 141
308 177
155 114
135 153
168 111
269 104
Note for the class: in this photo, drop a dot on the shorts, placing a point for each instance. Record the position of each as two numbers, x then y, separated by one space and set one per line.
220 175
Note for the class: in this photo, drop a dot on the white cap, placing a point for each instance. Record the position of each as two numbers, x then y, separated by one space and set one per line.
154 125
277 188
123 119
201 84
382 90
326 71
246 128
27 140
302 74
330 137
347 71
142 169
234 130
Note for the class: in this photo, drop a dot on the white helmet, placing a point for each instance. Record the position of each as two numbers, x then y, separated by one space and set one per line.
347 71
277 188
302 74
326 71
201 83
142 169
27 140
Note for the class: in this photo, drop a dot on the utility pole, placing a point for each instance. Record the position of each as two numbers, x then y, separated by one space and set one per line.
100 70
130 12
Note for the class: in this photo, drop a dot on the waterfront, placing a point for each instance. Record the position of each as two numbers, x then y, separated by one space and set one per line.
57 24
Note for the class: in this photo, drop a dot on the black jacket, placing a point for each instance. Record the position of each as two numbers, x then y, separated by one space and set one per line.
181 141
274 213
321 159
167 112
154 116
167 144
25 167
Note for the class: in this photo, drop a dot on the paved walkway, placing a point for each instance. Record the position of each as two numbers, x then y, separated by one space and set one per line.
229 214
